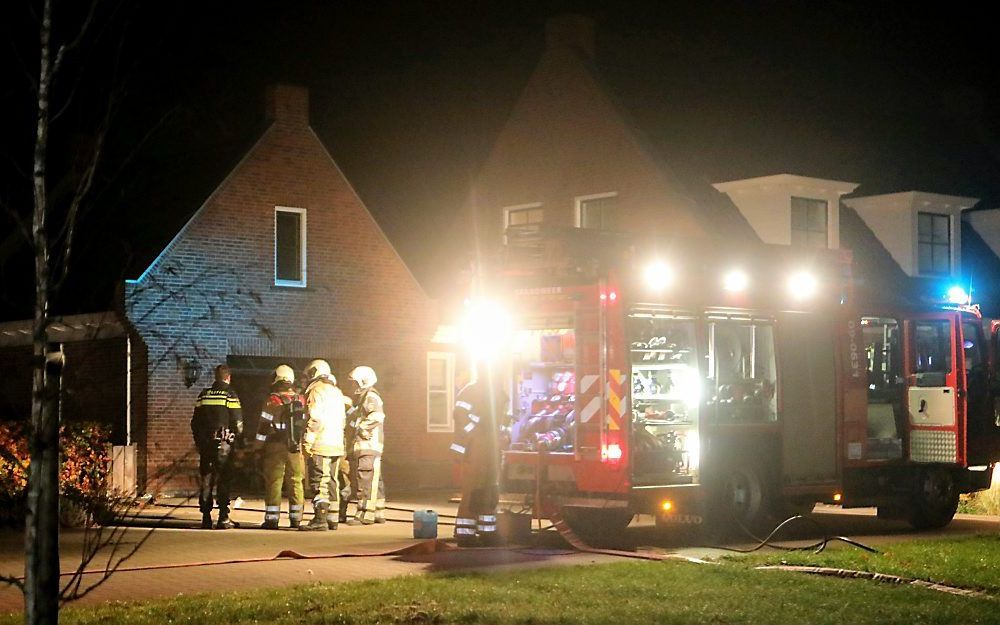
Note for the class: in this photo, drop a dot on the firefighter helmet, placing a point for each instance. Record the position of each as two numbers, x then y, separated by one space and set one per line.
284 373
318 369
363 376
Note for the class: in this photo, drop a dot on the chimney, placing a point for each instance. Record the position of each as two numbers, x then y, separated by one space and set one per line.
288 104
571 31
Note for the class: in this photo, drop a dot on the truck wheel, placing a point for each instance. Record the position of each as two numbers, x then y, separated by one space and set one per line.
740 500
597 523
935 501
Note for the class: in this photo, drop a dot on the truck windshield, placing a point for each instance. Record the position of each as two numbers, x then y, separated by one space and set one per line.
666 391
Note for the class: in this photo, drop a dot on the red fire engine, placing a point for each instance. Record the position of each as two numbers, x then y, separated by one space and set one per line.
695 382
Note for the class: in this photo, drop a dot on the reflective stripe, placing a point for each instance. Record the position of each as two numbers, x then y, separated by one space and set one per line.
271 516
233 403
261 437
464 531
470 427
457 447
273 508
267 416
463 404
474 418
465 521
486 528
207 401
294 508
487 518
319 500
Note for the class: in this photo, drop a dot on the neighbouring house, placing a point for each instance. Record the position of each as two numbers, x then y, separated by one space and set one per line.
283 263
571 156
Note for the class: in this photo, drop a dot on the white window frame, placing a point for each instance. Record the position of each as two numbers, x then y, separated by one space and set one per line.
449 391
517 207
302 253
579 200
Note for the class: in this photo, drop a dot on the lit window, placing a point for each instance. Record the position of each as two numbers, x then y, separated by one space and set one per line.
524 215
809 227
933 244
743 372
289 246
595 212
440 391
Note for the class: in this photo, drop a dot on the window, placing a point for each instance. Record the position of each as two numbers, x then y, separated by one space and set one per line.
440 391
289 246
526 215
883 359
972 342
932 346
595 211
809 222
933 244
742 367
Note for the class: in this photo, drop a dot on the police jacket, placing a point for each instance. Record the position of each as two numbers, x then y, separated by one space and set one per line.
282 420
367 424
217 417
478 417
326 407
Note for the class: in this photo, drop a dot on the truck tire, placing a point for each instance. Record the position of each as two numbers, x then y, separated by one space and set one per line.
740 500
935 501
597 523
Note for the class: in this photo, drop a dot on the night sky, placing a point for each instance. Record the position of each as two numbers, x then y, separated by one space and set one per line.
408 96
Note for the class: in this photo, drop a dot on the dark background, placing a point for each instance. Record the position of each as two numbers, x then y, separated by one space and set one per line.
408 97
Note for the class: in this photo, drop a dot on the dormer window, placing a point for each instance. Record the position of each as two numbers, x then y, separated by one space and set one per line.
809 223
933 244
595 211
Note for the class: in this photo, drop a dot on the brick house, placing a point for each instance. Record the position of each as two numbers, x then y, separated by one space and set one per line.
571 156
283 263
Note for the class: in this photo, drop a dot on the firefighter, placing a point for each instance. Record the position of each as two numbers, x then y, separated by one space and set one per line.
479 408
217 427
367 427
280 430
324 442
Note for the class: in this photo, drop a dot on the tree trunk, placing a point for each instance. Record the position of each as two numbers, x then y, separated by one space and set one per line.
41 532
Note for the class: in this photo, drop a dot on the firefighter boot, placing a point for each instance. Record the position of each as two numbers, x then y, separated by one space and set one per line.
206 520
269 524
224 523
318 522
331 522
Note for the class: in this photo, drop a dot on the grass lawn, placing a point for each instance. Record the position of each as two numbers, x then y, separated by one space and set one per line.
629 592
969 562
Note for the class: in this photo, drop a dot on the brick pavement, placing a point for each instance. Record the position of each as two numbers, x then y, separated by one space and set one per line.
179 545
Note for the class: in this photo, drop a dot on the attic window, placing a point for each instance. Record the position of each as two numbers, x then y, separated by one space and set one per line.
809 222
289 246
933 244
595 211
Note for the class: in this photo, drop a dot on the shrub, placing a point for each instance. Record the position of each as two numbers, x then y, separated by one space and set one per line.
83 477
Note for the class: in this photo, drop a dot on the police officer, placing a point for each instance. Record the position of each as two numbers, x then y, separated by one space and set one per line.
479 409
280 430
324 443
217 427
367 426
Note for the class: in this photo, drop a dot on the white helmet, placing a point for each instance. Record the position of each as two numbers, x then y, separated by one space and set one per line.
363 376
319 369
284 373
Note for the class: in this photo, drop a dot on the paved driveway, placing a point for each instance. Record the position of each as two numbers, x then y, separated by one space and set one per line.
177 559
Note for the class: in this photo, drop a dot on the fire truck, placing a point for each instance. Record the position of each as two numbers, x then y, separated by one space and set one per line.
695 382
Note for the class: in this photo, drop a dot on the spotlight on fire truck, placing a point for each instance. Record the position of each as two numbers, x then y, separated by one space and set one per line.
957 295
486 329
658 276
735 281
802 285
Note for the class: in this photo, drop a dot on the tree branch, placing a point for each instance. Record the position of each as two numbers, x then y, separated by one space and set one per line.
66 48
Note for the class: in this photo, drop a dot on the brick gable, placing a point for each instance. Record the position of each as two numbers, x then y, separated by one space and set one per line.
211 294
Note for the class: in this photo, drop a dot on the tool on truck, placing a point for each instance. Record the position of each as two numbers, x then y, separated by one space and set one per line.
697 382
